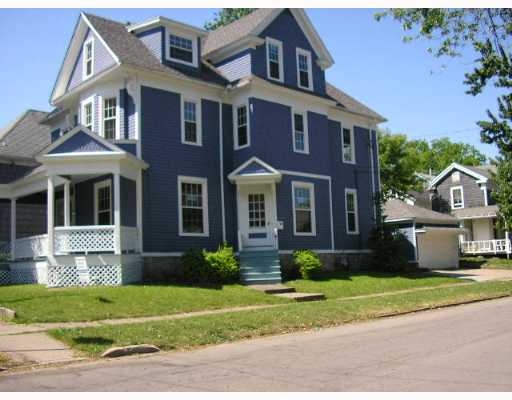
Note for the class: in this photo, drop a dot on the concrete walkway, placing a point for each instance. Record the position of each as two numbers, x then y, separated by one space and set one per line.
478 274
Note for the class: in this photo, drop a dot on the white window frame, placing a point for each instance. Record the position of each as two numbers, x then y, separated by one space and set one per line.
306 134
204 193
97 186
184 35
102 116
311 187
356 211
235 124
353 147
199 130
89 100
452 189
279 45
307 53
84 60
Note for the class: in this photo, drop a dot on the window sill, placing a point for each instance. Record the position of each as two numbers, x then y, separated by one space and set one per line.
313 234
194 234
177 60
200 144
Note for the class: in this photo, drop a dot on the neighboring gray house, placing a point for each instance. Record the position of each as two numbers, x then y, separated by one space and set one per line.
432 236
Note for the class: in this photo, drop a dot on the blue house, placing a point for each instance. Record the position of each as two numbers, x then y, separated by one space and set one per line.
167 137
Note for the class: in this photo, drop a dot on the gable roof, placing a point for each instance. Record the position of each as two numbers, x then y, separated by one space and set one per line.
254 169
251 25
396 210
348 103
480 174
25 137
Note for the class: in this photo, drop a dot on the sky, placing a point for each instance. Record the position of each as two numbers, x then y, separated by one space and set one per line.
420 96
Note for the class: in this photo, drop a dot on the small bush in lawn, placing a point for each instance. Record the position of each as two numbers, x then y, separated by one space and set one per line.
308 262
389 249
201 266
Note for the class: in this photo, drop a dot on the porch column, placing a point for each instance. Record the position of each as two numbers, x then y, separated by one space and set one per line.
508 245
138 191
117 213
50 213
67 205
13 228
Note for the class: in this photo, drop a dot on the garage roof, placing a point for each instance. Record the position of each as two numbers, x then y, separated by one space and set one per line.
397 210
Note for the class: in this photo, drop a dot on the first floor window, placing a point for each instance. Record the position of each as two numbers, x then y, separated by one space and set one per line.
191 132
87 116
109 118
242 135
348 146
103 203
352 218
457 197
303 208
193 206
180 48
300 139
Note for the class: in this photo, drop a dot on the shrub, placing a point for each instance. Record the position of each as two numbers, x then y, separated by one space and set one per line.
389 249
204 267
308 263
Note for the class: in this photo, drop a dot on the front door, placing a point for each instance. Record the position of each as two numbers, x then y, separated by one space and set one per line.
257 215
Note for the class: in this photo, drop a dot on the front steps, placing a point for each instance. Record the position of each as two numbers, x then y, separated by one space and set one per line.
288 292
260 265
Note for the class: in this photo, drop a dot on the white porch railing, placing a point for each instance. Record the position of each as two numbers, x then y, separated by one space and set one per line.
31 247
129 238
494 246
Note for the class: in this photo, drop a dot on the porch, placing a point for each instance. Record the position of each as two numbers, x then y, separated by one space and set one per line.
486 247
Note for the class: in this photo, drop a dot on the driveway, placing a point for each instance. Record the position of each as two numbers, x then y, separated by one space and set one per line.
464 348
477 274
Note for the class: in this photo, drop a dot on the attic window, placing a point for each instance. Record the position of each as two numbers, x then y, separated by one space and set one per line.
88 58
304 80
274 59
182 49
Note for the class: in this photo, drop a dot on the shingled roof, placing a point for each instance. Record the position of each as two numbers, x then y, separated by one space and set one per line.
396 209
350 104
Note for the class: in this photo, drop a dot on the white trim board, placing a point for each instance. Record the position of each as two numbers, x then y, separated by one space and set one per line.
312 207
480 178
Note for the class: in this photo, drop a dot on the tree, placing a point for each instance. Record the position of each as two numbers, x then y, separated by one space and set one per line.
443 152
226 16
489 32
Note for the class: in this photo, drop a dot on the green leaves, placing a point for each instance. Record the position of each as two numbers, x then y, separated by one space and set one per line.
226 16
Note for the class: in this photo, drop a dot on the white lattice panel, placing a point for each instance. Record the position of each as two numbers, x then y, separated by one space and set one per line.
67 275
31 247
84 239
5 277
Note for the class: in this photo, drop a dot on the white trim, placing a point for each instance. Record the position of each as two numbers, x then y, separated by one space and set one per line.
235 125
173 24
279 45
356 211
199 125
299 51
352 145
486 198
83 103
184 35
96 34
480 178
273 173
311 187
452 189
305 131
90 41
304 174
221 172
97 186
204 194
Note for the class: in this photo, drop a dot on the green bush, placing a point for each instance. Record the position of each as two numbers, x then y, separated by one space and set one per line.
308 263
389 249
201 266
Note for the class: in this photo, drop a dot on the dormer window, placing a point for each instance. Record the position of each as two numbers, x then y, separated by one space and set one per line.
88 58
457 197
275 59
304 78
182 49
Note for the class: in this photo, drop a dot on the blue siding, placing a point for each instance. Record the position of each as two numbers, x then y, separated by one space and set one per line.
128 202
102 61
254 168
237 66
128 147
79 143
168 158
84 200
152 38
55 134
229 188
11 172
127 115
286 29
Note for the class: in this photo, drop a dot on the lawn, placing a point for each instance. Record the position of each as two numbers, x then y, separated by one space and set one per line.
213 329
483 262
36 303
339 284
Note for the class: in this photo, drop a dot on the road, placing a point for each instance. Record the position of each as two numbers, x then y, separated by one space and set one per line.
464 348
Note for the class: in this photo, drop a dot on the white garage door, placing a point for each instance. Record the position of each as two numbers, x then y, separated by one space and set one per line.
438 249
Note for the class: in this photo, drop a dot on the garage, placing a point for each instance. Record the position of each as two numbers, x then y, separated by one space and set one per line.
437 248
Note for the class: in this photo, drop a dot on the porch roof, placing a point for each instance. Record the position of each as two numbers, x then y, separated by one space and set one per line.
476 212
254 170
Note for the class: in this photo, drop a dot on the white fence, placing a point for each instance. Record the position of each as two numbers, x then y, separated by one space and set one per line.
495 246
31 247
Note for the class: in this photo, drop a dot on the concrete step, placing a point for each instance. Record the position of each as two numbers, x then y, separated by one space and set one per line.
272 289
261 281
297 296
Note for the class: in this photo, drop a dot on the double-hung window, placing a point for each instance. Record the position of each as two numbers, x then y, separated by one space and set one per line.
191 127
242 127
109 118
88 58
303 197
103 203
193 206
274 59
348 146
457 197
182 49
304 77
351 212
87 116
300 132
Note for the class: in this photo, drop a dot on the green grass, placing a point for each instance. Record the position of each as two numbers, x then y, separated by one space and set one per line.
338 284
36 303
213 329
484 262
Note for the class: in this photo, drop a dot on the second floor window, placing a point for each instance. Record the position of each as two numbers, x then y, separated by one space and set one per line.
88 55
180 48
109 118
300 137
304 80
242 133
457 197
274 59
87 115
348 146
191 123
